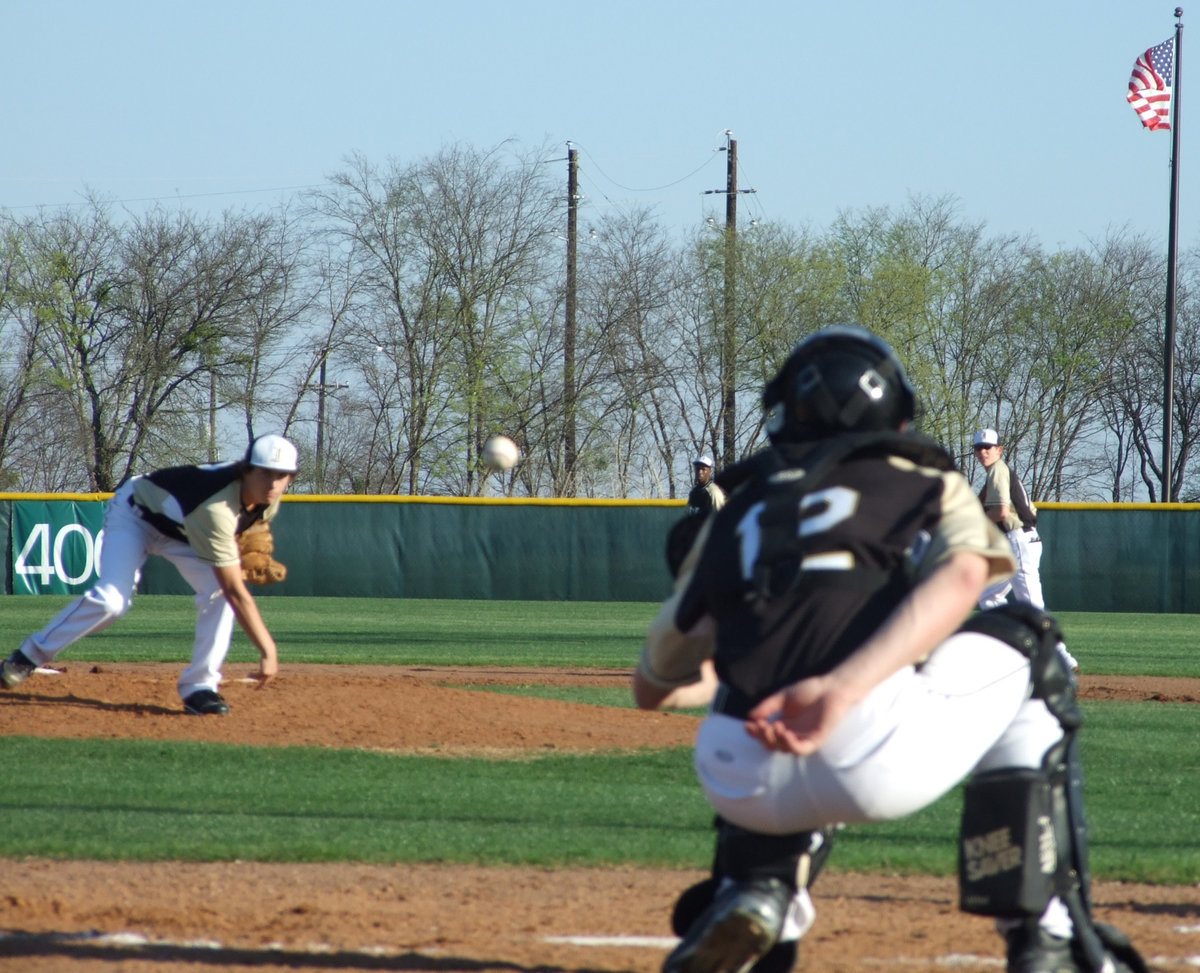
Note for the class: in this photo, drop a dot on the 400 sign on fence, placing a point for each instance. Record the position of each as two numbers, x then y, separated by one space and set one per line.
55 546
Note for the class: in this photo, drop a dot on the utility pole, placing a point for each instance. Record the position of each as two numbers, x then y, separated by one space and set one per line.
569 455
213 453
729 332
322 388
728 354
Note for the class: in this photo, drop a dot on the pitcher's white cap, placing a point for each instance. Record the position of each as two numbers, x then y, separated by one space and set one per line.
273 452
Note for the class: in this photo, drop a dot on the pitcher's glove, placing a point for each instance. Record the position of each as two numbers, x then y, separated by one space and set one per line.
258 566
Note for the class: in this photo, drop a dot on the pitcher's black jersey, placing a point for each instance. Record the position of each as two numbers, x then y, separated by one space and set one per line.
797 580
201 506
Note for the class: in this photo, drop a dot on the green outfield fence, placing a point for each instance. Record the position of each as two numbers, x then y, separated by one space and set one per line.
1097 557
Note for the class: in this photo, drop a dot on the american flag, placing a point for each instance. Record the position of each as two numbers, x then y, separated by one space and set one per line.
1150 86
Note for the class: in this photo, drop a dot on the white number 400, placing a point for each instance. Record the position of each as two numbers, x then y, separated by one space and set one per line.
36 557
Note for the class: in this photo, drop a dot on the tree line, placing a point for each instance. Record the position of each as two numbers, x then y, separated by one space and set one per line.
394 318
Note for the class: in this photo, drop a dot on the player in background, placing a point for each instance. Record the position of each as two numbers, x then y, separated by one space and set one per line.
835 593
705 495
192 516
1007 505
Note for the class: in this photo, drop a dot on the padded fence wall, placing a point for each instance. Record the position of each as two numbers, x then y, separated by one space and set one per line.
392 547
1122 557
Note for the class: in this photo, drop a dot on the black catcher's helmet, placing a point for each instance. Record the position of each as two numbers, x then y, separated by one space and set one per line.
842 378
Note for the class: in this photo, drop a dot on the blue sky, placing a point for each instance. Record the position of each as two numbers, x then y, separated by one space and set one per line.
1015 108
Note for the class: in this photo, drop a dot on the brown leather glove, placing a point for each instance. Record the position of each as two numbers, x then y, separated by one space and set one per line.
258 566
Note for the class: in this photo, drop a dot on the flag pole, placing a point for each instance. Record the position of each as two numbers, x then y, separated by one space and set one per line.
1172 246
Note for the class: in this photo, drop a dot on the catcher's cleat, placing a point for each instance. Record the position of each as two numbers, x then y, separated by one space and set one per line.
1033 950
737 930
206 702
15 670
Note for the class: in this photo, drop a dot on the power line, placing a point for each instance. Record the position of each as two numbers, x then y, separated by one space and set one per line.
647 189
174 196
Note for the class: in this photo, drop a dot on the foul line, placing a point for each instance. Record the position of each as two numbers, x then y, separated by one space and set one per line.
135 945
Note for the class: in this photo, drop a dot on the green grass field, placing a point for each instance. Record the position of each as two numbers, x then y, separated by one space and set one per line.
135 800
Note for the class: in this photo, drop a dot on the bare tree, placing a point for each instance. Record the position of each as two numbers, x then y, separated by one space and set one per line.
19 407
397 340
1137 397
624 341
1074 320
486 224
65 278
449 256
263 366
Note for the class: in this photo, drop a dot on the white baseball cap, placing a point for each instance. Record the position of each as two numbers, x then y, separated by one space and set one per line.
273 452
987 437
704 460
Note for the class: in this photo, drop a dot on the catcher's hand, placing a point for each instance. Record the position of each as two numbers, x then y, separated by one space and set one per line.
258 566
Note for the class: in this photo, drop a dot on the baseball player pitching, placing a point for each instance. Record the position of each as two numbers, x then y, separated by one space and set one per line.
1008 506
834 597
192 516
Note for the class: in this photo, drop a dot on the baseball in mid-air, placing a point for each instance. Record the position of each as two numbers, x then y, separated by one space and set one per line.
501 453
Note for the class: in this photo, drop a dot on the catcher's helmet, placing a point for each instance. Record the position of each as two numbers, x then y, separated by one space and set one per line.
842 378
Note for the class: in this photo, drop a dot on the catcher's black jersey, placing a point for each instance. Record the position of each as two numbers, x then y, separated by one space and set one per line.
797 580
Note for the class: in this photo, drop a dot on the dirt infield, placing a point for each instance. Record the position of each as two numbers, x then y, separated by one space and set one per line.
75 916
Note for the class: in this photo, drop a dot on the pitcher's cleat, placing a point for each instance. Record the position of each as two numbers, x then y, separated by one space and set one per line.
15 670
206 702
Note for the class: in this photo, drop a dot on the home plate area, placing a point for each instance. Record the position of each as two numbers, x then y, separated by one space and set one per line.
104 948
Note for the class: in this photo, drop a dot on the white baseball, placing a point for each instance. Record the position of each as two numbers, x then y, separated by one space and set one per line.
501 453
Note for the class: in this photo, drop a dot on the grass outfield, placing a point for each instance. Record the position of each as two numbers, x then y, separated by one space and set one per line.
519 633
370 630
152 801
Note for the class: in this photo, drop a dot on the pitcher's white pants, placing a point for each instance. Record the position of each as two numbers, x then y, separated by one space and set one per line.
968 708
1026 583
127 542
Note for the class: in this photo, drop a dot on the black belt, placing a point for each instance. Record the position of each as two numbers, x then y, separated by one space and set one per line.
164 525
732 702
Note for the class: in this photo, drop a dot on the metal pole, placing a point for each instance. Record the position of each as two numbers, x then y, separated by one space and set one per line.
569 433
1172 247
729 335
320 464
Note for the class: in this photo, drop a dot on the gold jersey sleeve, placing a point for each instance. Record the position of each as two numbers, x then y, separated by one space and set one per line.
965 527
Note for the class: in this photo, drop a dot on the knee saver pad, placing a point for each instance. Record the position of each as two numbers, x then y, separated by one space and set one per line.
1036 636
109 599
1008 847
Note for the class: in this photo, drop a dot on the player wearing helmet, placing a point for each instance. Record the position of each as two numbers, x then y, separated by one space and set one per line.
832 592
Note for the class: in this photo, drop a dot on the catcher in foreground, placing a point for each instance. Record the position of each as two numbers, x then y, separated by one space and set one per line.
199 518
834 592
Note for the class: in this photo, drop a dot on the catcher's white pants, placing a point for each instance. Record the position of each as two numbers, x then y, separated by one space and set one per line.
126 543
1026 582
919 733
